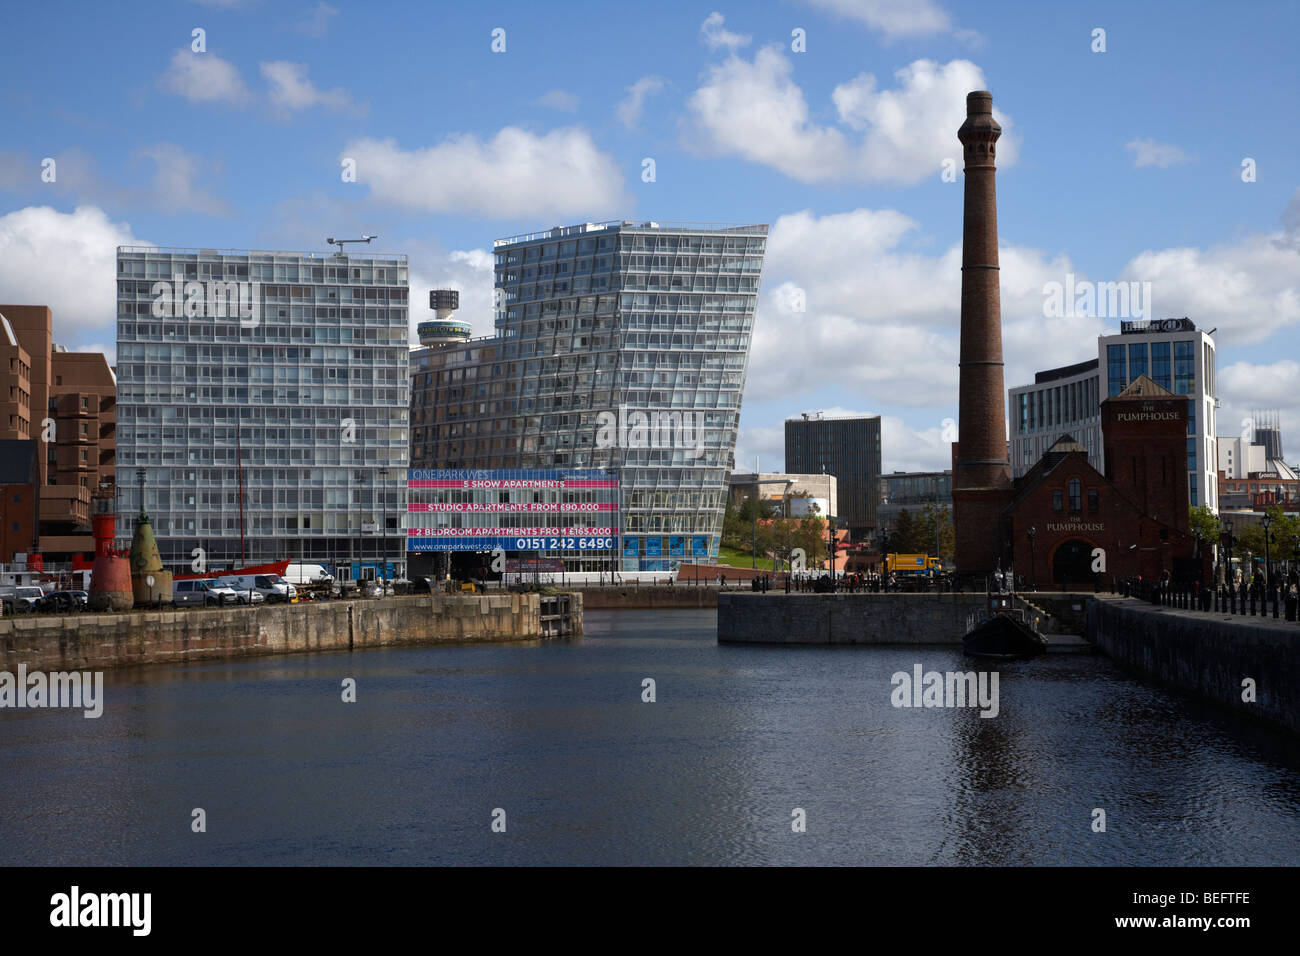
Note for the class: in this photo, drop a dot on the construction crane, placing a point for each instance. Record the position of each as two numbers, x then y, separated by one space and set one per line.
339 242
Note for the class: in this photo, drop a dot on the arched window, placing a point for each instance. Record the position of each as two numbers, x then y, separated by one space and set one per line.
1076 495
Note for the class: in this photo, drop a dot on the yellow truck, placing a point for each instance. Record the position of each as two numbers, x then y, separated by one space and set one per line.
912 564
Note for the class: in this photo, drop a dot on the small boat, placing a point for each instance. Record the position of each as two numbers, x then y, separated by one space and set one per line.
1004 634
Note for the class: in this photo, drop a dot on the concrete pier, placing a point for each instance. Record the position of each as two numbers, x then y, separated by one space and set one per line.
861 618
106 640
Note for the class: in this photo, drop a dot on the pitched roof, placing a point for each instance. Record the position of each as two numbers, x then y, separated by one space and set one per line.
1144 387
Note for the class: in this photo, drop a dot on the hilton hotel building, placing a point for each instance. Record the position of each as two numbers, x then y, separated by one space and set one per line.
1067 401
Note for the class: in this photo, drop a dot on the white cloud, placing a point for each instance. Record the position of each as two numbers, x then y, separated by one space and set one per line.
755 110
515 175
631 106
1147 152
1248 288
290 89
559 100
715 35
893 19
318 23
68 262
176 182
881 318
1246 388
204 78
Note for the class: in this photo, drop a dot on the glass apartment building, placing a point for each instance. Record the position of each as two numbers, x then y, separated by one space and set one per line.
278 378
1173 353
620 346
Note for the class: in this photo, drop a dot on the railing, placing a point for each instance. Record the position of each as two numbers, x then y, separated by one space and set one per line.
562 232
386 258
1255 599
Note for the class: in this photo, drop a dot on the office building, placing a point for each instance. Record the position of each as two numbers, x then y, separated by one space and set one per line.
912 491
265 398
619 346
1173 353
849 449
65 401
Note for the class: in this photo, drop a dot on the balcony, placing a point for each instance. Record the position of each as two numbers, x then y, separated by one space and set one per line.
65 505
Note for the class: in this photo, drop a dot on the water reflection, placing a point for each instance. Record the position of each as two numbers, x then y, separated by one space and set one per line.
556 734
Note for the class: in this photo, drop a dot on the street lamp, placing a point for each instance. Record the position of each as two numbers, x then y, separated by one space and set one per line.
884 542
831 525
1266 521
1033 561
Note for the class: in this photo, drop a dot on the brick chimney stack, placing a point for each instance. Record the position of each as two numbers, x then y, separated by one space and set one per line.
982 473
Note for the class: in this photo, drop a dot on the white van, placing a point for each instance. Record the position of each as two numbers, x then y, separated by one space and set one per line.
273 588
307 574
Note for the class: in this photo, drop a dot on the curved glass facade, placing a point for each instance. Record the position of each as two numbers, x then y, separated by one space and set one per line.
620 346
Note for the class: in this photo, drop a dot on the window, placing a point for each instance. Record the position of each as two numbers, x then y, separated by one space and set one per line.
1191 416
1184 366
1076 495
1094 502
1137 360
1056 499
1115 369
1160 364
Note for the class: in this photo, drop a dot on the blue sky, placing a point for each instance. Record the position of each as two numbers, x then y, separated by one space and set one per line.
1115 165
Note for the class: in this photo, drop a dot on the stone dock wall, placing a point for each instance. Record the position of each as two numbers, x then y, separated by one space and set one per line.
1209 655
106 640
865 618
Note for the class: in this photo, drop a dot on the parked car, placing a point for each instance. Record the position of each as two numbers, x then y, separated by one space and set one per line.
198 592
21 599
241 595
63 601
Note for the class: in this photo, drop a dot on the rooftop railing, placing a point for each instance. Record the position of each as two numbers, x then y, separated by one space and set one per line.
220 253
632 225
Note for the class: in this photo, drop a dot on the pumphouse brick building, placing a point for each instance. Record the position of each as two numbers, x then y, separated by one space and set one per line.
1069 525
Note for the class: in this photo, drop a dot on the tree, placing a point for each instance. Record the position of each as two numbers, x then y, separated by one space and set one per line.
812 538
1203 523
1281 536
738 529
902 538
925 540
